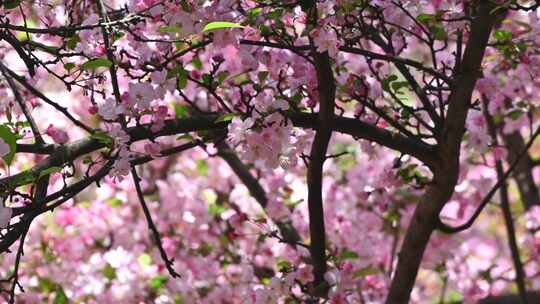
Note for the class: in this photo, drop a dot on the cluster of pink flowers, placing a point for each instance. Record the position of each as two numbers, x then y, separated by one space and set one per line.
252 70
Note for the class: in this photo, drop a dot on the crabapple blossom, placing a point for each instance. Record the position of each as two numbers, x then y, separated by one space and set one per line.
59 136
4 148
256 152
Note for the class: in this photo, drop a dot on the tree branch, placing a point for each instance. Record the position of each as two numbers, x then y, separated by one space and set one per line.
507 213
501 180
39 94
22 104
327 93
426 215
358 129
289 235
155 234
523 172
532 296
69 152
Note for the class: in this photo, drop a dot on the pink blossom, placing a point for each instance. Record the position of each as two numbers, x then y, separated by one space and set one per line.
499 153
4 148
304 273
153 149
59 136
141 94
326 41
109 110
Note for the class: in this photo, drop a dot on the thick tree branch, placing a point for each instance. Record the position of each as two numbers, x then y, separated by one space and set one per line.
325 121
71 151
358 129
425 217
61 154
40 205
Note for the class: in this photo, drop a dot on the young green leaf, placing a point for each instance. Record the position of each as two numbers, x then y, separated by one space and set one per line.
10 139
93 64
217 25
49 171
11 4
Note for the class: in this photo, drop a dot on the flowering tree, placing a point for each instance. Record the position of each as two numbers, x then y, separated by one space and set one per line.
266 151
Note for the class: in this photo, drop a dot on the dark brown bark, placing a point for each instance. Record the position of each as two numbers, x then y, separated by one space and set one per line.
327 92
523 172
289 234
507 212
425 217
532 296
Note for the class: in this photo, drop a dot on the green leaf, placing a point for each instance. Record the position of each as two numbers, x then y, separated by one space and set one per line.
170 29
398 85
157 282
197 63
72 42
49 171
179 299
222 76
10 139
426 18
205 249
225 117
255 11
348 255
109 272
180 110
438 32
283 265
96 63
217 25
262 76
202 167
215 209
60 297
181 76
117 36
385 83
275 14
454 297
69 66
11 4
145 259
185 137
22 178
392 216
114 202
207 79
502 35
46 285
365 272
515 114
103 138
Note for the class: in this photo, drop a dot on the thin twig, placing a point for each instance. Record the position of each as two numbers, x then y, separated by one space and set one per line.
507 213
157 239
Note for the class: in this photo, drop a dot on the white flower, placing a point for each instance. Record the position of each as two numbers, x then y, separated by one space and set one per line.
110 110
